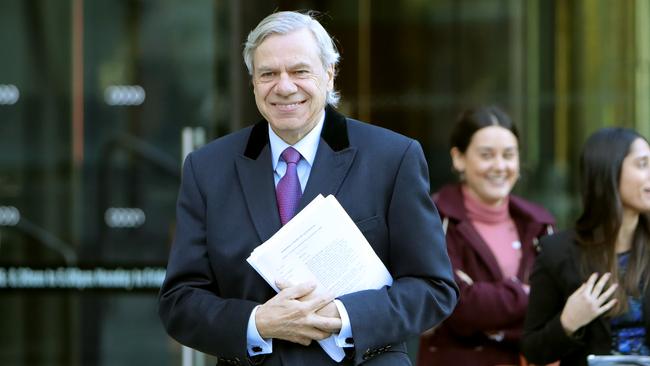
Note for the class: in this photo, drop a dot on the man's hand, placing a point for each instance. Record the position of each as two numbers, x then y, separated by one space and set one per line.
292 315
330 310
587 303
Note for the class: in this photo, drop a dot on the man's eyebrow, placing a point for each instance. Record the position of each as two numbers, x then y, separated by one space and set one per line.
263 68
299 65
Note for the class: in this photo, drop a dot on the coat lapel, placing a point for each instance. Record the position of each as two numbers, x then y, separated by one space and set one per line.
450 202
474 239
255 172
333 160
329 170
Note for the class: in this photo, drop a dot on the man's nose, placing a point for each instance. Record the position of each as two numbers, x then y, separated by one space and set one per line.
285 85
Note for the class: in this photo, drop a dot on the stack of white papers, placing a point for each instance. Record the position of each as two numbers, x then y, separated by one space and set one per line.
321 244
611 360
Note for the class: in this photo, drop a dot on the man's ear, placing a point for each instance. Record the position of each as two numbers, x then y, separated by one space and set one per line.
331 72
457 159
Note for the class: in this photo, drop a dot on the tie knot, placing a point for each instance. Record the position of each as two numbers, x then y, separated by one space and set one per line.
291 155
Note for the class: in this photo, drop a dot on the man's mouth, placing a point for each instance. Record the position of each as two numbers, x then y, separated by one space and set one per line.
287 106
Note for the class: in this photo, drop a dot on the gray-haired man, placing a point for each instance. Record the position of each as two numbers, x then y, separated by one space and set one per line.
213 301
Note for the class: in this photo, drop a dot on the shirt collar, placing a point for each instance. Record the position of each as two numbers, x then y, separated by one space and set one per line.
307 146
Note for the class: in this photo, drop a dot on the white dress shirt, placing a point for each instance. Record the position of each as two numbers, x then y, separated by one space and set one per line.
307 147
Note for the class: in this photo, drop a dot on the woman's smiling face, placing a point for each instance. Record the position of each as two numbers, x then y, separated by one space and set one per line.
490 165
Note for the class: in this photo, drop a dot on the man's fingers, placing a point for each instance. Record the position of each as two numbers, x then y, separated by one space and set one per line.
326 324
282 283
329 310
292 314
304 335
319 334
305 341
318 301
297 291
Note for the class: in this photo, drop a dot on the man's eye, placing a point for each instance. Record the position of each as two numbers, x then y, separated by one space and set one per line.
267 75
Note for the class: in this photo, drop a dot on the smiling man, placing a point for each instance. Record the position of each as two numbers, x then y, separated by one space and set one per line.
290 83
240 189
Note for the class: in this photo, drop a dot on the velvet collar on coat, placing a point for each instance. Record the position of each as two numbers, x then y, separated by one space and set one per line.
334 157
449 201
334 133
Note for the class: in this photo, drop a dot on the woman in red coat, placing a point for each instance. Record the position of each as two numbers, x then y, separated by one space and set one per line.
491 239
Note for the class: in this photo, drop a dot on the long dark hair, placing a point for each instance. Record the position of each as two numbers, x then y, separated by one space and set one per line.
597 227
472 120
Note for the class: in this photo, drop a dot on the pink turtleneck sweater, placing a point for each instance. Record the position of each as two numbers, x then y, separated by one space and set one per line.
498 230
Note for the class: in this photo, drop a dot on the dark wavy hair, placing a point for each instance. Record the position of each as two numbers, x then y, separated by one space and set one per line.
601 163
472 120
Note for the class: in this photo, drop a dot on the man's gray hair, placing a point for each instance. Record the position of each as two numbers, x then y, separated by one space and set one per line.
285 22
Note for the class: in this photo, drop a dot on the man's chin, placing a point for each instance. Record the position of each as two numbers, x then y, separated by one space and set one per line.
286 124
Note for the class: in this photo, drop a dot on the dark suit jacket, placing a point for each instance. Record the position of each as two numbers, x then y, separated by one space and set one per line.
555 277
462 339
227 207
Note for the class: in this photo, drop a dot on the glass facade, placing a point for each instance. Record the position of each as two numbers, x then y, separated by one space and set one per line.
101 99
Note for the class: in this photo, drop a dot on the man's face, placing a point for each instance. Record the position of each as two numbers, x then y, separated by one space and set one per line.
290 83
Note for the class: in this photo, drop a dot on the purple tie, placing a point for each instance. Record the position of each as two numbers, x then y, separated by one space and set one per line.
288 191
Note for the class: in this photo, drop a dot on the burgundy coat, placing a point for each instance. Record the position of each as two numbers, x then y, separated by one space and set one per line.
492 303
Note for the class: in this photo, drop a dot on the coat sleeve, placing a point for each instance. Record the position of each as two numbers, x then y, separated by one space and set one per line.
423 293
189 305
544 340
503 303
